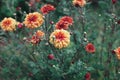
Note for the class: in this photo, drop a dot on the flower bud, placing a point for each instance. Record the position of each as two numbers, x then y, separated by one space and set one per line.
50 56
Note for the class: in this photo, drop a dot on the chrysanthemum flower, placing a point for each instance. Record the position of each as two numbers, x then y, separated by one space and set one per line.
90 48
33 20
34 40
8 24
39 34
60 38
117 51
47 8
64 22
67 19
80 3
61 25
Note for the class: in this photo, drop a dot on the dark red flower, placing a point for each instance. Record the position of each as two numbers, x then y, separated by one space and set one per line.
35 39
90 48
61 25
87 76
114 1
47 8
64 22
51 56
67 19
20 25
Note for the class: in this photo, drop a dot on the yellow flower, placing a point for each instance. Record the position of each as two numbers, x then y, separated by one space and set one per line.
80 3
8 24
60 38
33 20
117 51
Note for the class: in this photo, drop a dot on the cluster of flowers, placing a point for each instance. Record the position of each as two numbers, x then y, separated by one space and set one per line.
60 37
36 38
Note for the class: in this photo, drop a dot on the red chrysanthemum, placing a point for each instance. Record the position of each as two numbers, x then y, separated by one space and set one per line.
47 8
80 3
35 40
64 22
67 19
90 48
61 25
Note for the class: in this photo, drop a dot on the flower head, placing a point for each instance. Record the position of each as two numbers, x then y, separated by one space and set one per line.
47 8
117 51
67 19
8 24
61 25
60 38
64 22
39 34
51 57
33 20
80 3
34 40
90 48
20 25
